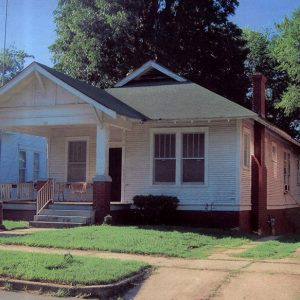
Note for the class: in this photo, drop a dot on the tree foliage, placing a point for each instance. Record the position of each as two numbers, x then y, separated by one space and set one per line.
99 41
261 59
13 63
286 50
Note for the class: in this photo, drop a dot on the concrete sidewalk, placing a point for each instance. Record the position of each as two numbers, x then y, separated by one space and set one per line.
220 276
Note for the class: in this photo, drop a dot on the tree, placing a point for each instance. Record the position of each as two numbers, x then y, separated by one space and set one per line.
286 50
99 41
13 63
261 59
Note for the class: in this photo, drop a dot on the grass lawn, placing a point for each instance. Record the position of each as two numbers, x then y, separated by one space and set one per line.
10 225
65 269
283 247
166 241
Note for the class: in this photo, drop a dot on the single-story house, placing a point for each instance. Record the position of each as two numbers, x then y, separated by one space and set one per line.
156 133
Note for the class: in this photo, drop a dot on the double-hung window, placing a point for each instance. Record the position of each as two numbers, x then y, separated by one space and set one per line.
246 148
77 161
164 158
193 157
22 166
286 170
298 170
179 156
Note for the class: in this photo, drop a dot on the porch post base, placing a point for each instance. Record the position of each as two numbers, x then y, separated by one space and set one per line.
39 184
101 199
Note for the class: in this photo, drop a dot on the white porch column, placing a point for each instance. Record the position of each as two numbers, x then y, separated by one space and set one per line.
102 153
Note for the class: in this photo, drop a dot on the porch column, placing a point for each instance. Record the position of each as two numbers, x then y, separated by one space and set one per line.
102 180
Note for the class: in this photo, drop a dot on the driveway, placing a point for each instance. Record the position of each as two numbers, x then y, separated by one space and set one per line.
219 277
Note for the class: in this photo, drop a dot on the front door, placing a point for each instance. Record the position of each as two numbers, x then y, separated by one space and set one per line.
115 172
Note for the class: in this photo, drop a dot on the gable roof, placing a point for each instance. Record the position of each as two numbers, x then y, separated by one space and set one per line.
146 69
179 101
93 95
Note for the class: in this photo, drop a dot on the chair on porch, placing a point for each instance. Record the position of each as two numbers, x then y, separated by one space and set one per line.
78 188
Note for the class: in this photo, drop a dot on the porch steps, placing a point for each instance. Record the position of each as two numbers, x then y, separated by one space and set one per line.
64 215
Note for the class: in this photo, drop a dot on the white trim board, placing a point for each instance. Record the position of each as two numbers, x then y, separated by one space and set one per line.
145 68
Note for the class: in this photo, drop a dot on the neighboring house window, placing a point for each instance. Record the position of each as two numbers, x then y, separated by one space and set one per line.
192 157
179 155
298 170
22 166
246 149
77 161
164 158
286 170
36 166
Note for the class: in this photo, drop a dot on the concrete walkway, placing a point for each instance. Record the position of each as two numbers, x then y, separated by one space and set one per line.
220 276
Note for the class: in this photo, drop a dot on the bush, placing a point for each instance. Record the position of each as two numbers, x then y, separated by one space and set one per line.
155 209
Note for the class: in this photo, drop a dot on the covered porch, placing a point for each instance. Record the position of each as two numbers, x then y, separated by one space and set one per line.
85 129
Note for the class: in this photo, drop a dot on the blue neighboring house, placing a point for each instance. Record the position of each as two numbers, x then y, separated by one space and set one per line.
23 157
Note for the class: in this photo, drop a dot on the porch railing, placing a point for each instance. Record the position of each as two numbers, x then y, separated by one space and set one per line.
44 196
16 191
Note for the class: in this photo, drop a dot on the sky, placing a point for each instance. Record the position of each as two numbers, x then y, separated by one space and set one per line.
31 27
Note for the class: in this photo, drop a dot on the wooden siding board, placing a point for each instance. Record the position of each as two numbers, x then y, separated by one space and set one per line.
222 150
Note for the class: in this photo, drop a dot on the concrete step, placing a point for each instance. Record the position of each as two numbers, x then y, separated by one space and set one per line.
44 224
64 206
63 219
73 212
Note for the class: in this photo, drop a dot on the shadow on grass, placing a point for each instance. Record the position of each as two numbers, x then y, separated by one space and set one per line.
211 232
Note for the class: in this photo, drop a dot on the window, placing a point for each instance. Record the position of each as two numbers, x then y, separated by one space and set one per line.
298 170
192 157
22 166
246 149
36 166
77 161
164 158
179 156
286 171
274 152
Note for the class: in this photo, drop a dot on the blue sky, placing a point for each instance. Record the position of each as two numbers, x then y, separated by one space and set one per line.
31 26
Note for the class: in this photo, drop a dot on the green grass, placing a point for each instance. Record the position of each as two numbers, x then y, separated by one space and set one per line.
166 241
65 269
283 247
11 225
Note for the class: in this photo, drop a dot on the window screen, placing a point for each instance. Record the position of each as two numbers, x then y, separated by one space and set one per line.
77 153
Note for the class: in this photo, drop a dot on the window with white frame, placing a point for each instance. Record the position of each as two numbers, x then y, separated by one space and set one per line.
298 170
193 157
22 166
77 161
246 148
36 166
179 156
286 170
164 158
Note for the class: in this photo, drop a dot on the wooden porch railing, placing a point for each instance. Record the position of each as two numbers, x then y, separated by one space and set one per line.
17 191
44 196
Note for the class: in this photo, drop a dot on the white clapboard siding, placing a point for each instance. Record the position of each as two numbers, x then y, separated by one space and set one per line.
221 188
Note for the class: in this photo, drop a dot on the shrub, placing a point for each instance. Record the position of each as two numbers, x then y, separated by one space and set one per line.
155 209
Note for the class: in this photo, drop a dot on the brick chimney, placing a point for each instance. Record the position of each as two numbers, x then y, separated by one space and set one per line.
259 94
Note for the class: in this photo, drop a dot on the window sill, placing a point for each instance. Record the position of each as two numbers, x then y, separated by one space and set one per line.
182 185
